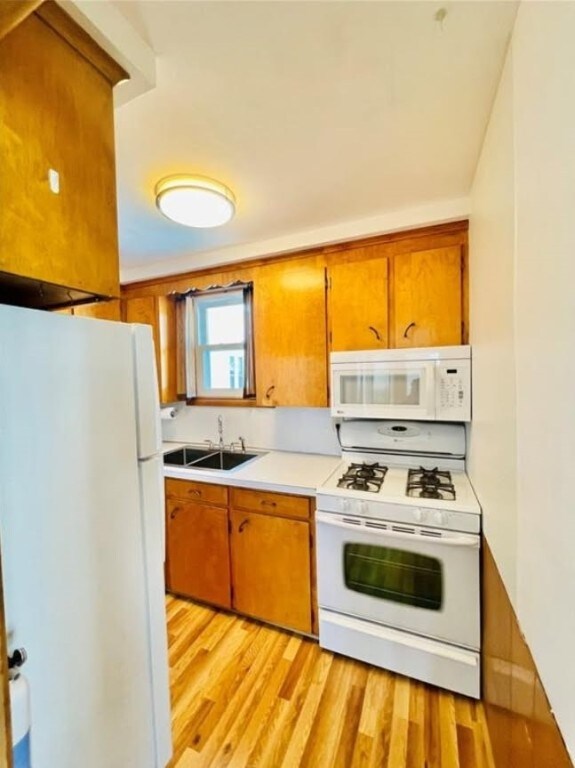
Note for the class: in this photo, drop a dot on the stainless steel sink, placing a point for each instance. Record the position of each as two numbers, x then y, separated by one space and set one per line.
225 460
184 456
198 458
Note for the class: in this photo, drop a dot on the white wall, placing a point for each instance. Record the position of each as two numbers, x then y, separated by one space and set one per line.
309 430
539 568
492 456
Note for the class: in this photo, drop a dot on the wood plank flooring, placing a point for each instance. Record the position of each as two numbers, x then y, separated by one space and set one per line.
246 695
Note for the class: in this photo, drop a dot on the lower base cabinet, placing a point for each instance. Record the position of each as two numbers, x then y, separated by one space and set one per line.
198 561
271 568
254 558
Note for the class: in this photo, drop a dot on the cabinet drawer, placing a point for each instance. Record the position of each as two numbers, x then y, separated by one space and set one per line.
281 504
193 491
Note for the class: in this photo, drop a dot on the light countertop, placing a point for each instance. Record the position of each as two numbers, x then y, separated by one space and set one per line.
297 473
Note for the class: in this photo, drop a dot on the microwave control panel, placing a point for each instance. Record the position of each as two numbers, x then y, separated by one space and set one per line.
453 394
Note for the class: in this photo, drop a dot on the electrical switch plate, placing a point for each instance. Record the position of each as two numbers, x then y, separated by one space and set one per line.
54 181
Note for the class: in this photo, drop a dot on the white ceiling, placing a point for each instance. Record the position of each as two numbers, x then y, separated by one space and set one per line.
314 113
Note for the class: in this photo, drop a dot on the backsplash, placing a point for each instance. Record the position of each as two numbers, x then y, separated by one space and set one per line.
307 430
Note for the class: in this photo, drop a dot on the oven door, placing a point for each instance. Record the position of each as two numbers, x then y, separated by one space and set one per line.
401 390
422 580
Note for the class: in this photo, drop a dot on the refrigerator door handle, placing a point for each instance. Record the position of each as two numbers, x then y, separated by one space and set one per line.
147 393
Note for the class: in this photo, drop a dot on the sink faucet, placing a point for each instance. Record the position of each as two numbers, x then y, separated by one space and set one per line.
221 433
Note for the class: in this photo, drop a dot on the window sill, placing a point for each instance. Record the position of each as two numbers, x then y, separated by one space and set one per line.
234 402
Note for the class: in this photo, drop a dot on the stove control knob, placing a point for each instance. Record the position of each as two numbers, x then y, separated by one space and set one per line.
420 515
440 518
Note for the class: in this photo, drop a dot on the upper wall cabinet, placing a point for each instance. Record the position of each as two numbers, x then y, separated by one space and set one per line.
160 313
58 223
290 333
357 301
427 298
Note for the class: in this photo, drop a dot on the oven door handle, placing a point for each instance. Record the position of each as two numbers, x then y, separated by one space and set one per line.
447 539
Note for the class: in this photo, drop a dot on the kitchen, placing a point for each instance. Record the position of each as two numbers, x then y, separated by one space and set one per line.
519 273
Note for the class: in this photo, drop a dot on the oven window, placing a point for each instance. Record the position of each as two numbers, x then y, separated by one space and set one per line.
401 388
394 574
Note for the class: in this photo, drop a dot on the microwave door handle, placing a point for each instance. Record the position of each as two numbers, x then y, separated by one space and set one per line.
472 542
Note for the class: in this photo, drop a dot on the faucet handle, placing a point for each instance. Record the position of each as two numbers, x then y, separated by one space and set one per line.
241 444
210 444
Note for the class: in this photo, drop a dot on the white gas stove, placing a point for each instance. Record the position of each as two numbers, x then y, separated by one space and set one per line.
398 531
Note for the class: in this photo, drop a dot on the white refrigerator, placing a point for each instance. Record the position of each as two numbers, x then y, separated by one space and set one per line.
82 537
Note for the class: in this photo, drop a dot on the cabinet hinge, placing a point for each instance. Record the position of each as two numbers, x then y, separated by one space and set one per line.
232 593
229 525
327 281
330 337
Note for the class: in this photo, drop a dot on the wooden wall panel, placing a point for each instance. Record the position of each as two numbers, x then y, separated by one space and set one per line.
521 725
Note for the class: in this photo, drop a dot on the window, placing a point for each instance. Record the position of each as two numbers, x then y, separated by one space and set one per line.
219 342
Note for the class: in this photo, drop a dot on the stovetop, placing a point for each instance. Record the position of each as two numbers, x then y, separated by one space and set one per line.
382 479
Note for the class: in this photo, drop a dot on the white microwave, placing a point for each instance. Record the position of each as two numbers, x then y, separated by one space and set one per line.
426 384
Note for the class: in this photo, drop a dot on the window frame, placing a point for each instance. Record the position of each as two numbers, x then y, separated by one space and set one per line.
201 305
194 352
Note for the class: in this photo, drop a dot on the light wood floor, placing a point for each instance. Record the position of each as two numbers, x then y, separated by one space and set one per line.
244 694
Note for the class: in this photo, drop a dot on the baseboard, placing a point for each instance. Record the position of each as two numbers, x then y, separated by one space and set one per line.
521 725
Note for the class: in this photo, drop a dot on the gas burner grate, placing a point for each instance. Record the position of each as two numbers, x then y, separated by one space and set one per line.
363 477
430 484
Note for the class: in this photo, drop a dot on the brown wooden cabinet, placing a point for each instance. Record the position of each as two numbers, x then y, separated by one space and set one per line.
198 556
420 306
271 568
358 301
427 298
58 218
290 334
254 557
101 310
270 551
160 313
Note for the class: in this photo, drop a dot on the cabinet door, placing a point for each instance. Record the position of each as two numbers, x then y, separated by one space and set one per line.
271 569
198 555
56 112
290 334
358 302
160 313
427 298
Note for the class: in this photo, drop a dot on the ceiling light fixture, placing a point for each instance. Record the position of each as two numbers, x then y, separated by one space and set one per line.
195 201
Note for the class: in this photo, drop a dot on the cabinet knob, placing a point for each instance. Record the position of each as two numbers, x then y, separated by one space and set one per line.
242 525
375 332
409 327
268 503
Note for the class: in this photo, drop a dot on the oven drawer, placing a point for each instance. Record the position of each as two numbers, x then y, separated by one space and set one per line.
418 657
412 578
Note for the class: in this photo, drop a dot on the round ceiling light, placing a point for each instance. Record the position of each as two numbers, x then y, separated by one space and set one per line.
195 201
